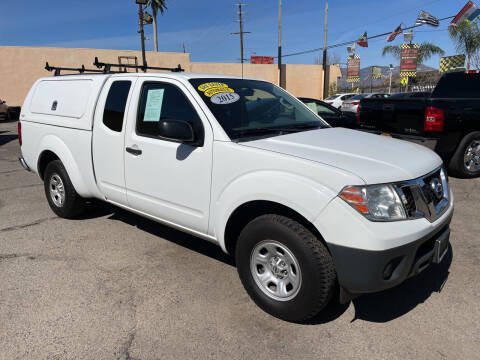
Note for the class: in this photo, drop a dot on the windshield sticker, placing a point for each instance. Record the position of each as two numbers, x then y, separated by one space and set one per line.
211 92
153 107
211 85
225 98
213 88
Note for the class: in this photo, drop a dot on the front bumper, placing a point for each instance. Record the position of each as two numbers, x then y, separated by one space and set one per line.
364 271
373 256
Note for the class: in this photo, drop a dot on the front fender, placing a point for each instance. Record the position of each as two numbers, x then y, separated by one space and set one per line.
54 144
299 193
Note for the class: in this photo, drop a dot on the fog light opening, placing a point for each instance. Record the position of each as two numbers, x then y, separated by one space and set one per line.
390 268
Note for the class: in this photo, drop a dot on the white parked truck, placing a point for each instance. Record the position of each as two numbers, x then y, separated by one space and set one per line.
304 208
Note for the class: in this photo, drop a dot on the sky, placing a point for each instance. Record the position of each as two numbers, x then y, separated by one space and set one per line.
205 27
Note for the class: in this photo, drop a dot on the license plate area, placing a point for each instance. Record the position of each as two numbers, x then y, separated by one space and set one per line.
441 247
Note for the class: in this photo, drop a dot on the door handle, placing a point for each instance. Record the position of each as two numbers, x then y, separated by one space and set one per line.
134 150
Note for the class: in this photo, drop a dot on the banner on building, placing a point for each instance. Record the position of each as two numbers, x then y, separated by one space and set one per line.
408 60
353 68
451 63
261 60
376 72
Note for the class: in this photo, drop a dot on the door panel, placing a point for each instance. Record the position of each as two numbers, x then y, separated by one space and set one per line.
109 138
167 179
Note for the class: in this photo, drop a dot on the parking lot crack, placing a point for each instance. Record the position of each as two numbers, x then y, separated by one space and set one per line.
20 187
23 226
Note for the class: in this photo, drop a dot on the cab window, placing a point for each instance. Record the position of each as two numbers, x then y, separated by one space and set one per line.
161 101
115 105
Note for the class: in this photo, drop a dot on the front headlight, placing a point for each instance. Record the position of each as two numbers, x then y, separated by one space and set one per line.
375 202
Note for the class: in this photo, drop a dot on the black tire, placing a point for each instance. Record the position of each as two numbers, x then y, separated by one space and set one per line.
457 165
72 204
318 277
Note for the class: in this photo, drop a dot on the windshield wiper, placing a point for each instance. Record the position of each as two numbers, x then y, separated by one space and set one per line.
281 131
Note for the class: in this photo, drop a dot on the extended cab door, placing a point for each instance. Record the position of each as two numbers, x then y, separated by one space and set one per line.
108 144
167 179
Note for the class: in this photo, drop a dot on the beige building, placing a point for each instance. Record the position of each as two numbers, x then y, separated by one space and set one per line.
21 66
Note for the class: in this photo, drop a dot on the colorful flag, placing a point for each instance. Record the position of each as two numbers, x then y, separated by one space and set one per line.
470 12
363 41
449 63
353 68
426 18
394 33
376 72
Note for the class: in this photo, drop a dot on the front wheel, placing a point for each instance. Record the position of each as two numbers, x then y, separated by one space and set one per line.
60 193
285 269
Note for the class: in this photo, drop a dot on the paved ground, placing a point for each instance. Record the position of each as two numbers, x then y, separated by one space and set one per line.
116 286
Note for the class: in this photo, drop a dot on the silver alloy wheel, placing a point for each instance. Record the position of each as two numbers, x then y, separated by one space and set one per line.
471 158
57 190
275 270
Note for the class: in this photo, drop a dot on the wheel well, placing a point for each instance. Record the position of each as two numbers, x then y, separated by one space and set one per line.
45 158
251 210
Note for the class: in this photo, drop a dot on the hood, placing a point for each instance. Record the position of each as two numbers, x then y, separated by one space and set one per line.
376 159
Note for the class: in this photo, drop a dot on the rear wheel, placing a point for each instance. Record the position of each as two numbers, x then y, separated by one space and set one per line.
60 193
285 269
466 160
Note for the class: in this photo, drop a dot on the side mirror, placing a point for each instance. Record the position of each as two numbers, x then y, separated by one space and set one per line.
176 130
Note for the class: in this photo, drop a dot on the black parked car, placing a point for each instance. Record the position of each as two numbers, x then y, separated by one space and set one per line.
329 113
447 120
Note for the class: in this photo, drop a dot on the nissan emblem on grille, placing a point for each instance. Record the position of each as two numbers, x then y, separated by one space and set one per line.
437 188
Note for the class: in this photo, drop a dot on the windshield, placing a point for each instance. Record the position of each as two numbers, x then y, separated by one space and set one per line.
333 97
358 97
252 108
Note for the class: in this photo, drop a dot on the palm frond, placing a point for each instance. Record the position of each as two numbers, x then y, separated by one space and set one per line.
393 50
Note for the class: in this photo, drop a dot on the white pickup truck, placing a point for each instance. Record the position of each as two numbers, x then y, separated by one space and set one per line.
307 210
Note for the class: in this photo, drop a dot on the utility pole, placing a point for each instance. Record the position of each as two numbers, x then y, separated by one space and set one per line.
280 71
241 32
325 79
142 34
390 85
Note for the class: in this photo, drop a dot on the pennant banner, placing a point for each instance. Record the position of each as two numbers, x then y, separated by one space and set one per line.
394 33
426 18
353 68
408 61
449 63
469 12
363 40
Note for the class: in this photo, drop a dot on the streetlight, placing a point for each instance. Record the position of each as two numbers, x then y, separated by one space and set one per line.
141 3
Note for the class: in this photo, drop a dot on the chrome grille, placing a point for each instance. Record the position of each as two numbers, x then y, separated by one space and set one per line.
427 196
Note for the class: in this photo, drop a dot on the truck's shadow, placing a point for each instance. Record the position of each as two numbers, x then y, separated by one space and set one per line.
393 303
378 307
98 209
6 138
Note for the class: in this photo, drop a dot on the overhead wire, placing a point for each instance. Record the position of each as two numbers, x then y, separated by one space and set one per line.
352 41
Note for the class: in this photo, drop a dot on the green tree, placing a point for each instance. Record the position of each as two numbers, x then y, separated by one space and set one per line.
425 51
466 36
156 5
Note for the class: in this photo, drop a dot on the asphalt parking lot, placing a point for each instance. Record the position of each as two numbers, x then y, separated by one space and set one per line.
113 285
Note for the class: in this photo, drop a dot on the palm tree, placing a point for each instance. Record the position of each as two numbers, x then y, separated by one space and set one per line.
156 5
466 36
425 51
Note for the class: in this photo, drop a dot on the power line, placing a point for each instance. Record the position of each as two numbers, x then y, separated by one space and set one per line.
350 42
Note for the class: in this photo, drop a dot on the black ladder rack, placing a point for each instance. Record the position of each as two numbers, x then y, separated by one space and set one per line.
107 67
80 70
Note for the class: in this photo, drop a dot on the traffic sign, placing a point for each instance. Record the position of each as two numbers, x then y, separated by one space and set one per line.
404 81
